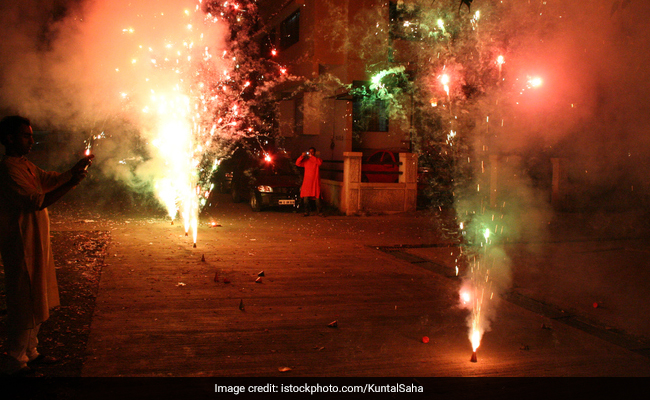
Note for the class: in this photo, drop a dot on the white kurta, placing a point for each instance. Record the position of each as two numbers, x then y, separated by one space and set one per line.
31 288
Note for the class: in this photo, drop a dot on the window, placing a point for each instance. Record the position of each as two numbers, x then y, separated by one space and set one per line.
370 115
290 30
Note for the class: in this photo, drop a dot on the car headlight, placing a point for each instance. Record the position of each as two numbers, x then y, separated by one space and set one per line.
265 189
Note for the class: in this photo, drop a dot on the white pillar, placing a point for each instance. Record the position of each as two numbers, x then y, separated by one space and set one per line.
351 182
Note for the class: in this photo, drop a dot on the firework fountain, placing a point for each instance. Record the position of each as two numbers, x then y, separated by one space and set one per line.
167 73
462 96
179 70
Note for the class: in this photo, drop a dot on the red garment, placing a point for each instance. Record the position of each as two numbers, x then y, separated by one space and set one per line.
311 180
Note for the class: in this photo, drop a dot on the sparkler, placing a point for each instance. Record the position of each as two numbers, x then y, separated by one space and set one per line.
89 144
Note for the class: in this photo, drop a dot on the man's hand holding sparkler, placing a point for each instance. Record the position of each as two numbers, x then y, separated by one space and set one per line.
80 169
78 173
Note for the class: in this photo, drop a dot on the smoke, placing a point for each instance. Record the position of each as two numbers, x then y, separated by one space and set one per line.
593 60
110 74
573 87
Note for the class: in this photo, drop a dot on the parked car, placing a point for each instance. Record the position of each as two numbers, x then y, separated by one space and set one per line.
264 180
381 166
276 183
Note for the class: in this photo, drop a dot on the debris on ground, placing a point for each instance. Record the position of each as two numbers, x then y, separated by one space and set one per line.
79 259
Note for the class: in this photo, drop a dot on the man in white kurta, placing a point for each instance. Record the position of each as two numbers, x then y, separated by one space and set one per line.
30 280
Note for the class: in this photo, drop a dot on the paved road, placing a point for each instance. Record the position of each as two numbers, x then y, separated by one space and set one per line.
161 313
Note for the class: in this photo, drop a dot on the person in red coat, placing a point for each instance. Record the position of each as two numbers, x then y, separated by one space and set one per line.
311 180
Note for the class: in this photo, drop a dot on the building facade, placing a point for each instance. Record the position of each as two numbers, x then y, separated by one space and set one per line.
332 46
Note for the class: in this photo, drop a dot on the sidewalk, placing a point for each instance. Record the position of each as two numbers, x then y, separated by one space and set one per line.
161 313
594 268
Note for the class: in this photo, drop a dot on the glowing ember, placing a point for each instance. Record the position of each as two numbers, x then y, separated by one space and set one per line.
535 82
500 62
444 79
465 297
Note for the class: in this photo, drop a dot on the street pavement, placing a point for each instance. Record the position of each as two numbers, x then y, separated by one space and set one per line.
277 294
